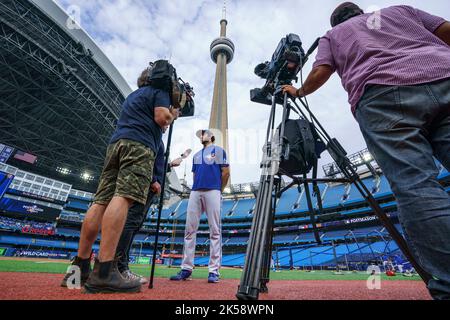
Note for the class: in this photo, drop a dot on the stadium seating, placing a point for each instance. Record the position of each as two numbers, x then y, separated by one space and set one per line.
295 244
77 204
287 201
227 209
243 208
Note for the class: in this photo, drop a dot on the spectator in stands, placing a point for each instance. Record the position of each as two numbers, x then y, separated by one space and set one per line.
126 178
137 214
211 174
395 66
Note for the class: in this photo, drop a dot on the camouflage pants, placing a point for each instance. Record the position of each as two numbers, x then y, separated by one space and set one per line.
127 173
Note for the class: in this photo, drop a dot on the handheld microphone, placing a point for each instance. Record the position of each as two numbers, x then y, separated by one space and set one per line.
186 154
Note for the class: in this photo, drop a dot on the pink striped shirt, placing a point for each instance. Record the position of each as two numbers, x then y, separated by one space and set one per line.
395 46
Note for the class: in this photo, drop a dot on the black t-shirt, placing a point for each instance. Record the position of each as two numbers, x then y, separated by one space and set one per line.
137 121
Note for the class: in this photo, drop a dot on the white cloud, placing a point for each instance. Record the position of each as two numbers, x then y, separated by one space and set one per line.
134 32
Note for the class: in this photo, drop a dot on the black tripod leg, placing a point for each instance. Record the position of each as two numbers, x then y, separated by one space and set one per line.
348 170
339 155
312 212
265 276
316 189
259 235
251 278
160 207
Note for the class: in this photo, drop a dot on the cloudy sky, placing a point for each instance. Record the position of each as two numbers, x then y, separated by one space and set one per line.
134 32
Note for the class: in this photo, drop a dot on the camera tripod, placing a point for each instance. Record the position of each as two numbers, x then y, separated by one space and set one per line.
256 271
160 206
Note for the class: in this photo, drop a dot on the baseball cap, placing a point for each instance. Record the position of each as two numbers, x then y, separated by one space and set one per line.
200 133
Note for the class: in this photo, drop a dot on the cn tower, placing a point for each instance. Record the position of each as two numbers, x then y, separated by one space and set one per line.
222 53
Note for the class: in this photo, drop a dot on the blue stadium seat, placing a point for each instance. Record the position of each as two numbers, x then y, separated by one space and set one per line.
333 195
243 208
181 211
385 188
286 203
303 204
227 208
354 195
286 238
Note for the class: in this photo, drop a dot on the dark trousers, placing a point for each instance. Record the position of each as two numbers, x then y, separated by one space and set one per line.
404 127
135 219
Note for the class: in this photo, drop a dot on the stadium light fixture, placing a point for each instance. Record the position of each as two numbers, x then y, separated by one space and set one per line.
87 177
367 157
64 171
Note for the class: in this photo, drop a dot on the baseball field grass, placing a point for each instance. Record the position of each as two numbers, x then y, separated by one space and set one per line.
60 267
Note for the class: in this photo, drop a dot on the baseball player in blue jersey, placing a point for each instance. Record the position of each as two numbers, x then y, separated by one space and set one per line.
211 174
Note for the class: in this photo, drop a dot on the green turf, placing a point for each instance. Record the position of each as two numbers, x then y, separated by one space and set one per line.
199 273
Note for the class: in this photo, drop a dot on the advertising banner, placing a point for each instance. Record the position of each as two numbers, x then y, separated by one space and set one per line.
31 210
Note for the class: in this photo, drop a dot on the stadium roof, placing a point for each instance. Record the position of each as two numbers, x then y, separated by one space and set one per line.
60 96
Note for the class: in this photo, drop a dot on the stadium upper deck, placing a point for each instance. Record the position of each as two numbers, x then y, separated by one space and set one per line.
60 95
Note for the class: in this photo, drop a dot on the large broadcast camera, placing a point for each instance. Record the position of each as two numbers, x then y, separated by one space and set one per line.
163 75
188 110
287 61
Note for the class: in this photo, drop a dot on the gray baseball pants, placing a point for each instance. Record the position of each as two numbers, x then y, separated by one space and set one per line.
209 202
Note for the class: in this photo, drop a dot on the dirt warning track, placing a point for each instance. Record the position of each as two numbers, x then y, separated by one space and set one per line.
39 286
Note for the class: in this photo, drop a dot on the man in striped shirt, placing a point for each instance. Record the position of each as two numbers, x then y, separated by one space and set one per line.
395 66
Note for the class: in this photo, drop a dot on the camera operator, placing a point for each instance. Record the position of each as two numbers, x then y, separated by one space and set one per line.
397 74
126 178
137 214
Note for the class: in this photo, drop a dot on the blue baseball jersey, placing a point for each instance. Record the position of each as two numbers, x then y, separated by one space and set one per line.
207 168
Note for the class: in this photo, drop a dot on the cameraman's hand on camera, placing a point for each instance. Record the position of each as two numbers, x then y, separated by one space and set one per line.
290 90
175 112
156 188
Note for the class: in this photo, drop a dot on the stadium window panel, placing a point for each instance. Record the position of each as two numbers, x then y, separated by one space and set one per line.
10 170
40 180
26 184
20 174
30 177
49 182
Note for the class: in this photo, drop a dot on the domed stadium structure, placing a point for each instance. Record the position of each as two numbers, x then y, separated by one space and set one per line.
60 98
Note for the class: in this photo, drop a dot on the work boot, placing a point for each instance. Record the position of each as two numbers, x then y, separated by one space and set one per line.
129 275
85 269
106 278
